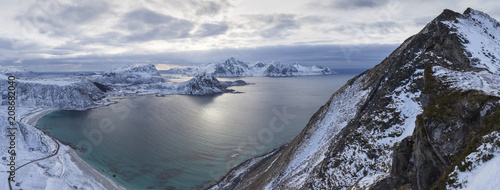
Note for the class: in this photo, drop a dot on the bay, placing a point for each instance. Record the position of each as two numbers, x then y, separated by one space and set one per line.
189 142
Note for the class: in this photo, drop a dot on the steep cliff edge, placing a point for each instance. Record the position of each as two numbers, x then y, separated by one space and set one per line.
413 121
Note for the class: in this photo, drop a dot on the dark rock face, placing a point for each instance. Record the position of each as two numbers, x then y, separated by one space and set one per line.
207 84
401 166
231 67
204 83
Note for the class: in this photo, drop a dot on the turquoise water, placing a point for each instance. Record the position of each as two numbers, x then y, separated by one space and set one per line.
189 142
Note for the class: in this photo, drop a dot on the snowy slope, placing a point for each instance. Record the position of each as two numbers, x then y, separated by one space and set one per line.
484 169
60 94
236 68
480 34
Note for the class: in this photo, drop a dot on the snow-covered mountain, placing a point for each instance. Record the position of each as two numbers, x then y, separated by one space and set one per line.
130 74
15 71
76 95
426 117
236 68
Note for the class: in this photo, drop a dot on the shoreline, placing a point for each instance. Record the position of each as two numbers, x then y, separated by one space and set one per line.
90 171
33 117
36 116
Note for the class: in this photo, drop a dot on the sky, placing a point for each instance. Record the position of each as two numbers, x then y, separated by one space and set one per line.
96 35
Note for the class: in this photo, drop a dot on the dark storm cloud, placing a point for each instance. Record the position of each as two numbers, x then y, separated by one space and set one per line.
146 25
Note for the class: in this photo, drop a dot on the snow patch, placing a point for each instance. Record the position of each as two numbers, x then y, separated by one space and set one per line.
482 173
482 81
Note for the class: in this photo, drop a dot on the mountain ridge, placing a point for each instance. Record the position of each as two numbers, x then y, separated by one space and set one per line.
350 142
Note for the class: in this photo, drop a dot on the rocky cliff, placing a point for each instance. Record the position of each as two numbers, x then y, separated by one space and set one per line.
425 117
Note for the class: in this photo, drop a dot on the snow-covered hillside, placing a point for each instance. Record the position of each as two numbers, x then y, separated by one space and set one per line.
426 117
236 68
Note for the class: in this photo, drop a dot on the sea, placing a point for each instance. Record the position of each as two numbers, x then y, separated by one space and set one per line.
190 142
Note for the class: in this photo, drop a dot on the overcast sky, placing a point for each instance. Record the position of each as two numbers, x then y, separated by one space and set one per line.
82 35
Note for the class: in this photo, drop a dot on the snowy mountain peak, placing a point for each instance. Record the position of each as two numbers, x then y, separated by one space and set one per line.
130 74
149 68
480 35
233 60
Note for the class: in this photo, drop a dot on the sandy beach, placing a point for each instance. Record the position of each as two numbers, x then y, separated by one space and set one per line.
33 119
91 172
88 170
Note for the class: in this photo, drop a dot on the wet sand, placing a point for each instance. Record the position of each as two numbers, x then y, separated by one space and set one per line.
32 121
91 172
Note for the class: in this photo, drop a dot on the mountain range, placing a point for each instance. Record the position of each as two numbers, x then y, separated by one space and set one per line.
236 68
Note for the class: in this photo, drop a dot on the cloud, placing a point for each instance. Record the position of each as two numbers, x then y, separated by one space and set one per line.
209 29
422 21
355 4
162 66
146 25
85 12
5 44
56 19
210 8
335 56
347 4
382 27
269 25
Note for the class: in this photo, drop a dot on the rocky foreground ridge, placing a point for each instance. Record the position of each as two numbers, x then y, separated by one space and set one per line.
426 117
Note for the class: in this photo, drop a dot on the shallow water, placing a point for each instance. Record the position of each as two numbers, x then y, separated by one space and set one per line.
190 142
